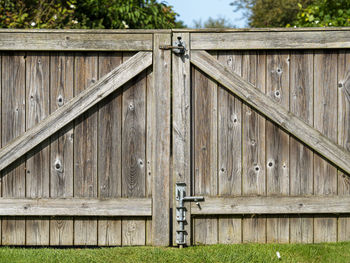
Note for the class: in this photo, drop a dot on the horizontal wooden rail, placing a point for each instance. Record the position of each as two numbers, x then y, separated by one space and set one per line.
76 207
272 205
272 110
271 40
74 41
75 107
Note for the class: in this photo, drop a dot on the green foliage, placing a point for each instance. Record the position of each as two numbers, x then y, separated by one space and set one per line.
220 22
324 13
118 14
36 14
270 13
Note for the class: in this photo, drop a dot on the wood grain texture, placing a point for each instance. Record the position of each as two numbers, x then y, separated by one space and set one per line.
344 133
205 150
109 151
38 161
13 125
181 110
253 147
160 121
75 107
85 148
74 41
75 207
134 152
301 157
61 147
287 120
292 39
229 149
325 120
272 205
277 143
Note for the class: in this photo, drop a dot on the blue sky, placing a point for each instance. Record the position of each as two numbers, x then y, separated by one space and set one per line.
190 10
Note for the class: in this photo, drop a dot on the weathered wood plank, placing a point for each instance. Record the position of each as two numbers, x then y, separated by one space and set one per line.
75 207
344 133
205 150
229 149
287 120
182 129
270 40
85 147
38 161
134 153
277 143
301 158
272 205
61 147
13 125
160 121
78 105
325 120
253 147
109 151
74 41
149 145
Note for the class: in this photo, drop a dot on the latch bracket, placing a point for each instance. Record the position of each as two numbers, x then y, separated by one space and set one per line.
181 198
178 47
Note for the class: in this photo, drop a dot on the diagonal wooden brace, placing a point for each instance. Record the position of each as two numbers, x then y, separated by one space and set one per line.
75 107
272 110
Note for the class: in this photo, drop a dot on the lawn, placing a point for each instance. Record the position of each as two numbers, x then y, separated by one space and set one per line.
339 252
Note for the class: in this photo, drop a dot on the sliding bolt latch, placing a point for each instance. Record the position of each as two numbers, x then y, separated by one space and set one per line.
178 46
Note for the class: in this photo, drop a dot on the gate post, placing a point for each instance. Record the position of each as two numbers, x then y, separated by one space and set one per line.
159 129
182 130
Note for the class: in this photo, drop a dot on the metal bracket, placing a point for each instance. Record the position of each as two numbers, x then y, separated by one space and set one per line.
181 198
178 47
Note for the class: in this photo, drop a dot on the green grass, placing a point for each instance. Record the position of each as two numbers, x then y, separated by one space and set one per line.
335 252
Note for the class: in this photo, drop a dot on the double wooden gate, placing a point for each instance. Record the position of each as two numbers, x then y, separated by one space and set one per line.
99 126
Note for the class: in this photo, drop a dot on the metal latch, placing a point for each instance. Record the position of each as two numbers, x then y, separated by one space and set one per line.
181 198
178 47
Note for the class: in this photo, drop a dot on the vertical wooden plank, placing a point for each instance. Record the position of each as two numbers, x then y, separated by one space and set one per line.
109 151
254 171
344 134
61 162
181 107
38 160
277 143
149 144
13 125
205 151
160 122
85 148
133 153
230 149
325 120
301 158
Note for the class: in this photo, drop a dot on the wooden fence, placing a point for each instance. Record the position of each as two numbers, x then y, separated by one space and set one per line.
98 126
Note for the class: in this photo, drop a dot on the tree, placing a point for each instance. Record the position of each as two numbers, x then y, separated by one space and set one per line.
118 14
270 13
324 13
220 22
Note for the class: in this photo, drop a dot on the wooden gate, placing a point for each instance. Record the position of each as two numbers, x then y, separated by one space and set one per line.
97 127
260 119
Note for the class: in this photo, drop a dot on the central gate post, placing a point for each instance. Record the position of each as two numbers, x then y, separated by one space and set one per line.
158 130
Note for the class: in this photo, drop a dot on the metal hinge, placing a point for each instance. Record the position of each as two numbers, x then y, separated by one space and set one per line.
181 198
178 47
